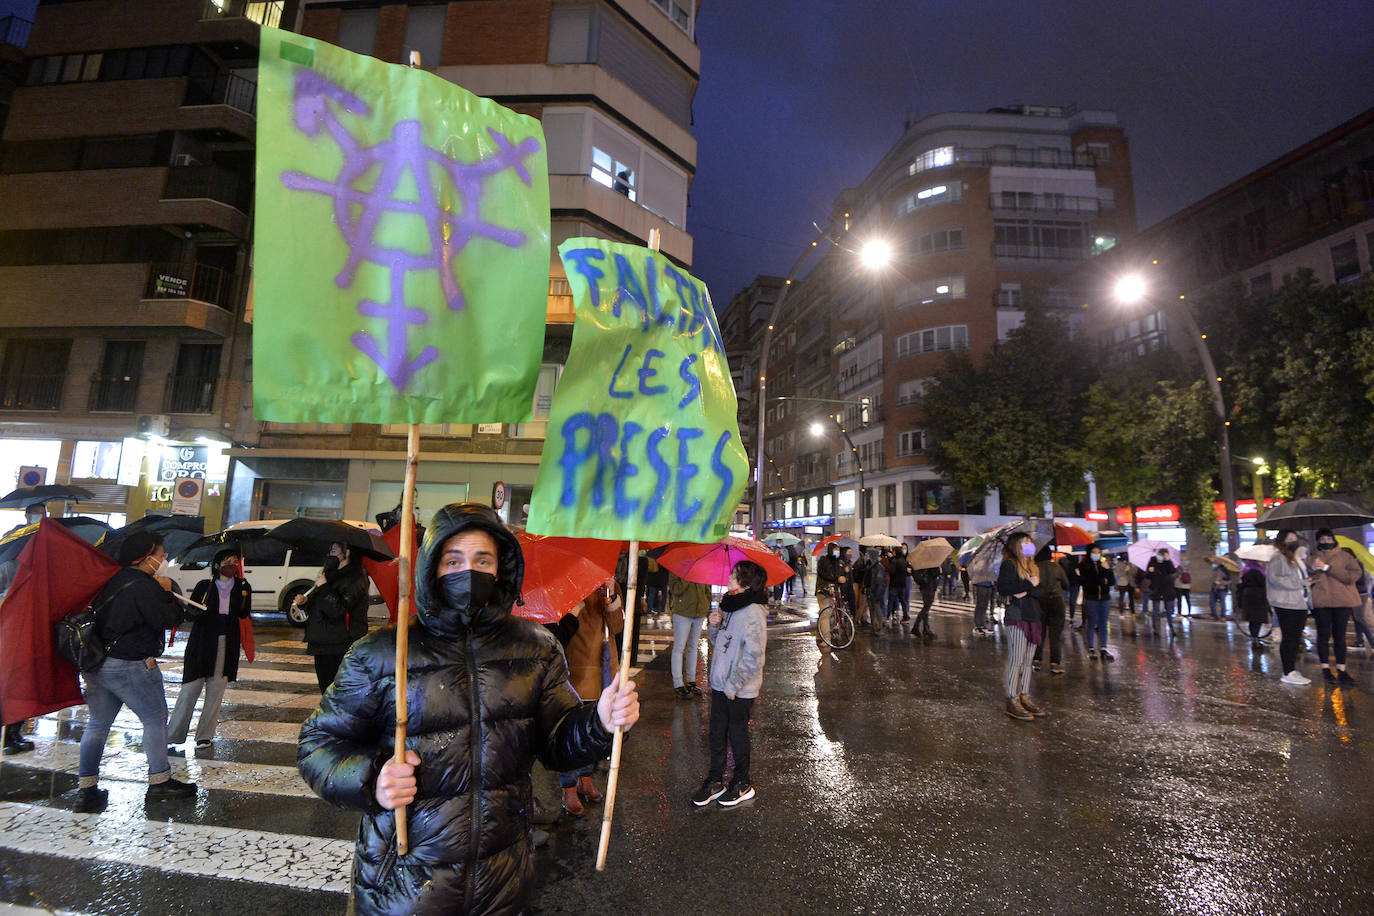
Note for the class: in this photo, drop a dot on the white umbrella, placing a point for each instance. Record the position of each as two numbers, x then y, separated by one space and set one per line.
1260 553
879 540
1140 552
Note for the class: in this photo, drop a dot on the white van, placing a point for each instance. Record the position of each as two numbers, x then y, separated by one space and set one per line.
276 572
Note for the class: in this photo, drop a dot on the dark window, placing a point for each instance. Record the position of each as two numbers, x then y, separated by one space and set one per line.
264 552
32 374
1345 262
119 152
116 387
193 385
358 30
138 61
868 503
112 68
889 499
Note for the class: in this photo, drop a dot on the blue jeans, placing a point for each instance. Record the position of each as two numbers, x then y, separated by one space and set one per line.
899 594
1071 600
654 598
1095 621
118 683
1216 600
1162 607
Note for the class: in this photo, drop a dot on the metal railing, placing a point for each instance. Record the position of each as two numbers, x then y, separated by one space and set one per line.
864 376
190 394
115 394
1042 203
236 92
1038 252
203 282
189 182
268 13
14 30
32 392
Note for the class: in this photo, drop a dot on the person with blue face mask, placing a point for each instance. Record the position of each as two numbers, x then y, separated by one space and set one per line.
488 692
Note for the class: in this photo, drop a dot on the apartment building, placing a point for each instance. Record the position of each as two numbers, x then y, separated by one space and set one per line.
742 324
167 353
1310 209
125 167
986 212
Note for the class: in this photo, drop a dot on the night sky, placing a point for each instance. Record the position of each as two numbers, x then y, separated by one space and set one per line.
801 98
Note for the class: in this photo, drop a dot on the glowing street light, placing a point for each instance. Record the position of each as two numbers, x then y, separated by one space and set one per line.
876 253
1130 289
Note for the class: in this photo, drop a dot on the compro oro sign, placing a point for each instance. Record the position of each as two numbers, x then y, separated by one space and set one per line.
180 461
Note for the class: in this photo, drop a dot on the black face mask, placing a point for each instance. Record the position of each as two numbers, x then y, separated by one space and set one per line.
467 592
1326 545
331 562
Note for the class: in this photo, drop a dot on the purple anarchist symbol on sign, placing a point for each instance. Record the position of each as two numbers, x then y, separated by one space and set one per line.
358 209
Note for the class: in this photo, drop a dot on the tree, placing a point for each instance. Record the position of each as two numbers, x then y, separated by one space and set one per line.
1014 423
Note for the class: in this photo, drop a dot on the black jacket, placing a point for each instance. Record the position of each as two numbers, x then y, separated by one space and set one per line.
133 623
203 642
1010 582
898 570
470 851
1161 573
1253 597
1097 579
337 611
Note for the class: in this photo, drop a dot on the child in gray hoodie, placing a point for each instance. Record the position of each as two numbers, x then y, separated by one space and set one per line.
739 638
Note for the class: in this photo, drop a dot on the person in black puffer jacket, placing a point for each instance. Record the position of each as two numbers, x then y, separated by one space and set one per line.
469 851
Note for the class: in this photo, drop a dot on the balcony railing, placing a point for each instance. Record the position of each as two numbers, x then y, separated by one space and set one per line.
864 376
190 394
14 30
268 14
190 182
113 394
202 282
1046 203
32 392
1038 252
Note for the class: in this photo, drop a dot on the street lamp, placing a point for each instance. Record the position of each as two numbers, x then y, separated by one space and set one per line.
874 254
818 430
1133 288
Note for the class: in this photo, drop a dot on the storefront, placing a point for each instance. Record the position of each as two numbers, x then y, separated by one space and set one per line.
1162 523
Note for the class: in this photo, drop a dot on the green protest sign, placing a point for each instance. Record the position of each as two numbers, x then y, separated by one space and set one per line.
642 440
401 244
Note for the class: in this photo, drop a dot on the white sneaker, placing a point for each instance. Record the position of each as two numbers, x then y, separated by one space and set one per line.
1295 678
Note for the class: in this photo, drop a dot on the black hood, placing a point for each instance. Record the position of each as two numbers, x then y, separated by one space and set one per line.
510 572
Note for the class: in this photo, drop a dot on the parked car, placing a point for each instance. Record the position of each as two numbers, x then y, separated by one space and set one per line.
277 572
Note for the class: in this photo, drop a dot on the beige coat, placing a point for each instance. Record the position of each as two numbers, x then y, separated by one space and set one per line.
584 652
1335 587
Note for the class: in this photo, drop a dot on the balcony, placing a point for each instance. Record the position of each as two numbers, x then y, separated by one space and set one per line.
32 391
208 182
189 394
226 102
865 376
105 296
268 14
1037 252
1012 203
201 282
113 394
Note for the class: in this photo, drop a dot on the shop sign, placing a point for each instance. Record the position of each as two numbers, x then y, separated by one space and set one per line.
936 524
1148 514
183 461
1245 509
811 521
1095 515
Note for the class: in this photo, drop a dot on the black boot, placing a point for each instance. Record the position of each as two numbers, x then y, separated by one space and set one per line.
15 742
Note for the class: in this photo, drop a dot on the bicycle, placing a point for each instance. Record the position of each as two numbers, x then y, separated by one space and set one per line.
835 623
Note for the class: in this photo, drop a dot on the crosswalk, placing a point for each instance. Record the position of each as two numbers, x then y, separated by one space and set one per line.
254 833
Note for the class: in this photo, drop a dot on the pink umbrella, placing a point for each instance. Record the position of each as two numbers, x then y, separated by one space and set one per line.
710 564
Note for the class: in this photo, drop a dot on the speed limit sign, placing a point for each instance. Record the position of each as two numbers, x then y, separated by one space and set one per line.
498 495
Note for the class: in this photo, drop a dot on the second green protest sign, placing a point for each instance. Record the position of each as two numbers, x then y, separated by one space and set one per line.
642 440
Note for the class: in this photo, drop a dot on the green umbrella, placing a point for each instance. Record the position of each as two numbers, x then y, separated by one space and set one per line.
783 538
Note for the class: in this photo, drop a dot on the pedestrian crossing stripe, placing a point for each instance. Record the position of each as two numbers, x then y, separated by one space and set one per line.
235 854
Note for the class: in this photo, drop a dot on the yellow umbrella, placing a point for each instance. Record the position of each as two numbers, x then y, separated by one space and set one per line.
1361 552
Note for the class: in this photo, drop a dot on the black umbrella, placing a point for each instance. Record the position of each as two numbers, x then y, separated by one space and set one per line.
1307 514
331 531
178 533
89 530
203 550
24 497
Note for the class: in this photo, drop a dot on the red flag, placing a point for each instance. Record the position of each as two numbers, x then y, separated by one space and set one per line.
58 573
386 573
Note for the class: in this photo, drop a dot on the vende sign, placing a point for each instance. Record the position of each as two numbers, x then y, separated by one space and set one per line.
1148 514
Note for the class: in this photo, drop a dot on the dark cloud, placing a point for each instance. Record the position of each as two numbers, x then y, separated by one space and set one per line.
800 99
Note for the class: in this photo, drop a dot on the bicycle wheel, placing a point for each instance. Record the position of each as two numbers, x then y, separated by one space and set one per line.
836 627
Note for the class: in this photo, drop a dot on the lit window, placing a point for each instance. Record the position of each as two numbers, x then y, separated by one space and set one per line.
932 159
614 174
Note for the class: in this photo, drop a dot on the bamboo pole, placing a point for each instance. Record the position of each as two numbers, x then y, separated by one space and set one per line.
404 579
626 639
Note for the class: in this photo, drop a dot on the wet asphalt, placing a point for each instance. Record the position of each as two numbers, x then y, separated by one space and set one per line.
1181 778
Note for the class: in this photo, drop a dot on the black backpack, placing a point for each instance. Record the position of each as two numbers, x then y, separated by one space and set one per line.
75 638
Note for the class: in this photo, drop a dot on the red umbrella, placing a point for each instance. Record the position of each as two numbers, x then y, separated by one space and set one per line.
1067 534
823 543
560 572
711 563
